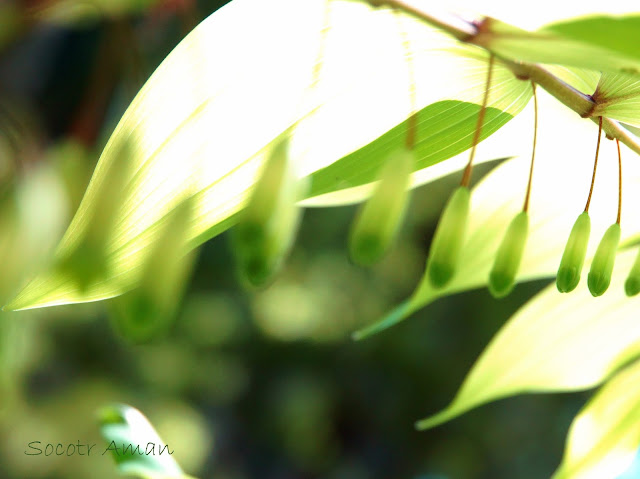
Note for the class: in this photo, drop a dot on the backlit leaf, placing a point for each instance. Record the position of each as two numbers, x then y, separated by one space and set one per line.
203 124
604 438
618 97
556 342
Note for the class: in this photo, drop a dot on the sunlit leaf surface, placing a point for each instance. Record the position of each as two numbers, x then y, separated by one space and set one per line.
205 121
127 433
560 185
618 97
556 342
605 436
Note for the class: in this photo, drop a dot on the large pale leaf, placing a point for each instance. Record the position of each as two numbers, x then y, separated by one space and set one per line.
135 445
560 184
556 342
604 438
206 120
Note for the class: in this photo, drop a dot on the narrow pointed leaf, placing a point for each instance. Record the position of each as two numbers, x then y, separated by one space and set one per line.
379 219
555 342
127 432
604 438
205 120
574 254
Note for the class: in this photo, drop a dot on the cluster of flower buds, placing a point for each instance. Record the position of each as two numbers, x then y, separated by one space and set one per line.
449 238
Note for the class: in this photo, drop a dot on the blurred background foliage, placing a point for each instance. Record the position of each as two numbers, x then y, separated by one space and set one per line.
247 384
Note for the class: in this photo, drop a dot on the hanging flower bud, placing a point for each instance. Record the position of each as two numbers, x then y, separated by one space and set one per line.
632 284
88 259
270 220
574 254
602 266
379 219
449 238
148 310
509 255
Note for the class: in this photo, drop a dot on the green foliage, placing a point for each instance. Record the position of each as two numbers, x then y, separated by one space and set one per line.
230 130
135 445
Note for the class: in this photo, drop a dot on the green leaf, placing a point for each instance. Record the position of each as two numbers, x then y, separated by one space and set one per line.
135 445
203 124
556 342
598 43
604 438
561 182
618 97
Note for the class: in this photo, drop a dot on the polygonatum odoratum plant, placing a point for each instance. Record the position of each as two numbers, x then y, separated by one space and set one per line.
267 108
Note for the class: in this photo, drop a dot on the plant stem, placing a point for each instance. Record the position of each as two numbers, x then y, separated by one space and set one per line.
465 31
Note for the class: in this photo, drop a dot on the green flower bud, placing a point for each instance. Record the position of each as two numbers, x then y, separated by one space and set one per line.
379 219
88 260
632 284
574 253
509 255
147 311
449 238
602 266
268 225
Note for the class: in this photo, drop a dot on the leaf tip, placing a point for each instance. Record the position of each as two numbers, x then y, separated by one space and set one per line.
396 315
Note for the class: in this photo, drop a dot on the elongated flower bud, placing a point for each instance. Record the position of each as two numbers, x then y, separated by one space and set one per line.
449 238
88 259
574 253
147 311
600 274
379 219
509 255
270 220
632 284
